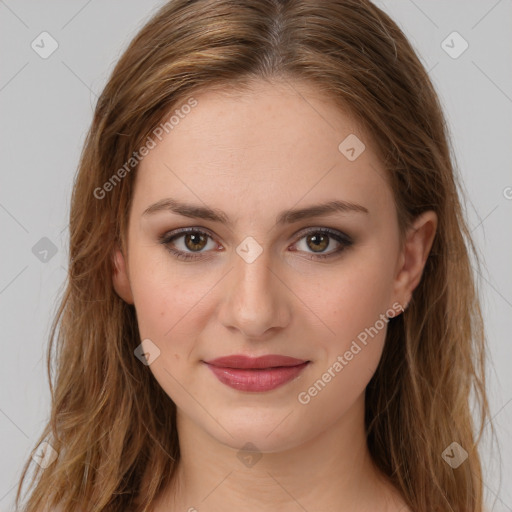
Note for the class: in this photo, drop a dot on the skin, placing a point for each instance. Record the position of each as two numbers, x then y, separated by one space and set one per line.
252 155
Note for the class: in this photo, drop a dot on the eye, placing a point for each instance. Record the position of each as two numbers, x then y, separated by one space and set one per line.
319 239
192 241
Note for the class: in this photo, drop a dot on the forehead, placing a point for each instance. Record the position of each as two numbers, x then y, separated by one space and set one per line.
273 141
270 117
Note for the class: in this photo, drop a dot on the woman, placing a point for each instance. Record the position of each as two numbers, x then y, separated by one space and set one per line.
270 302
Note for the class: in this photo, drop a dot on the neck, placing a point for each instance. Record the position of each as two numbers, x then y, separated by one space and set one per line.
332 471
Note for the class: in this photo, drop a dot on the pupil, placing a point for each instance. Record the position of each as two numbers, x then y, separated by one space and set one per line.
196 240
317 240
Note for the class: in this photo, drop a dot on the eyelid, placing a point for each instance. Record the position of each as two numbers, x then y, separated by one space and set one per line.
172 235
339 236
299 234
335 233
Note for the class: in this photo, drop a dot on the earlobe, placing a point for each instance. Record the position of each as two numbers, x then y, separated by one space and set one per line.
120 278
417 245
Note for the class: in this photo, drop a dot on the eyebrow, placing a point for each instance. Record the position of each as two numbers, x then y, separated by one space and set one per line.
285 217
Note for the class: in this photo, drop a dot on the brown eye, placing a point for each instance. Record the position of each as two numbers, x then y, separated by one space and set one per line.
185 242
195 241
317 242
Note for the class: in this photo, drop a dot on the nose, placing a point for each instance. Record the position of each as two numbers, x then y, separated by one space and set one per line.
256 299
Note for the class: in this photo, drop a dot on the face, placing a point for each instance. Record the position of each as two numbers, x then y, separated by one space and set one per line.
257 281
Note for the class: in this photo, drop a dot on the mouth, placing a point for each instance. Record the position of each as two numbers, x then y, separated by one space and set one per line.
256 374
240 361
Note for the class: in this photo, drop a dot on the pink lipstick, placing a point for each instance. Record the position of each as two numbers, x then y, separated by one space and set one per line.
256 373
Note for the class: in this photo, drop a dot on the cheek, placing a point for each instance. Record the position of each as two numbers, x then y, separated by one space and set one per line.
354 297
166 297
169 314
353 305
354 308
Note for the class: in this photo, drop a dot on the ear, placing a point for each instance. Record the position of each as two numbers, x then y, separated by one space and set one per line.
120 277
417 244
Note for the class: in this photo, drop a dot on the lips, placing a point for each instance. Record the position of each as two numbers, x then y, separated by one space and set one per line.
254 363
256 374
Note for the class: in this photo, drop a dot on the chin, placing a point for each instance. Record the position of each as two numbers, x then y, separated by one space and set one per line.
268 432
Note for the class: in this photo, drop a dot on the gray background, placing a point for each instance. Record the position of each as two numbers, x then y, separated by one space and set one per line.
47 105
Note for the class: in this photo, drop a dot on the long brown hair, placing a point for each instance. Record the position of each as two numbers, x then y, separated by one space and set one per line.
109 417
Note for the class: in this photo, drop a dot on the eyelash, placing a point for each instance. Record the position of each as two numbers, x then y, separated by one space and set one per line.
340 237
